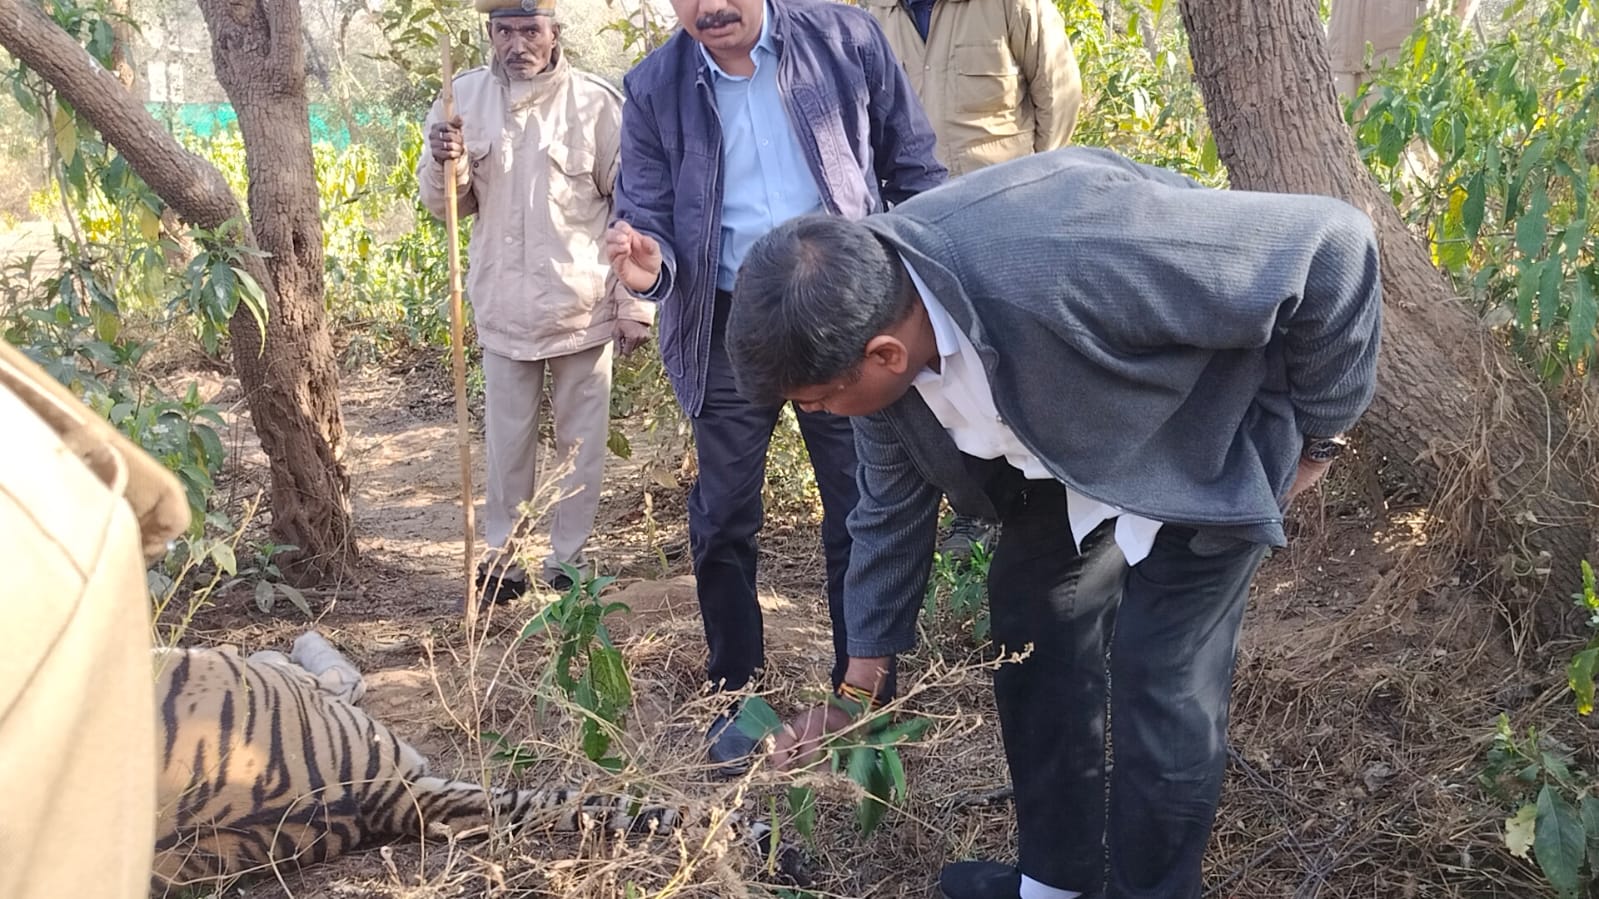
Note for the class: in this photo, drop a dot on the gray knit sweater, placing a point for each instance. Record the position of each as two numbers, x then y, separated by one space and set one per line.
1158 346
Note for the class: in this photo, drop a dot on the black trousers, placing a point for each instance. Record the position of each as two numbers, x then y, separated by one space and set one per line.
1154 646
725 512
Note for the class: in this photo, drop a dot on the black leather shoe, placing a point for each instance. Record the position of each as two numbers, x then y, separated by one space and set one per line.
979 880
498 589
728 745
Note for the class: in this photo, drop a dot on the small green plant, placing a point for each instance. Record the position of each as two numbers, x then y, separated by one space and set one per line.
215 283
1557 816
1580 673
957 594
587 667
868 752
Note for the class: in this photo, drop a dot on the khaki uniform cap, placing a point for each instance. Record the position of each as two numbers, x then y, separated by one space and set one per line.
516 7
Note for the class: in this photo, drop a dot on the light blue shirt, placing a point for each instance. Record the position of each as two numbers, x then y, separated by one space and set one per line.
766 180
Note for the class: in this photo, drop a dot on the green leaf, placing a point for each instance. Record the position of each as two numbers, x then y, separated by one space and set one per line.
1549 283
223 282
263 597
1584 316
859 763
222 555
757 719
296 597
618 444
610 763
895 766
1476 201
540 622
1580 674
609 671
878 790
595 741
904 731
1590 824
1513 192
1558 842
1531 227
802 802
1526 293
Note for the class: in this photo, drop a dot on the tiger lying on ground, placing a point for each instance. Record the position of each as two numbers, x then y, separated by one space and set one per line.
267 763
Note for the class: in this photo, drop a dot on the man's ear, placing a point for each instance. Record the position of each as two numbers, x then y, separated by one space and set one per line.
889 352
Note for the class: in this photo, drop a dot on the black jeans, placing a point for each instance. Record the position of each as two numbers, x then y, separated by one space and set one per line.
731 437
1154 646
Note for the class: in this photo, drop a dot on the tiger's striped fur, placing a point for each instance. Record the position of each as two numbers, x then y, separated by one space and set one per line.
261 767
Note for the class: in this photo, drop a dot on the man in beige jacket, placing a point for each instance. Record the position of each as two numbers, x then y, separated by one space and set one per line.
997 77
538 142
999 81
78 501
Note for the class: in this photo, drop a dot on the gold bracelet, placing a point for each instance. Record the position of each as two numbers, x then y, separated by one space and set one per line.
865 697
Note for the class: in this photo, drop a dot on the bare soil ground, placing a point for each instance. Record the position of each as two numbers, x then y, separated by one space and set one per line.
1368 678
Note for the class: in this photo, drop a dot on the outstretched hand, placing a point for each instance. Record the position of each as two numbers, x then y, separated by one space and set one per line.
634 257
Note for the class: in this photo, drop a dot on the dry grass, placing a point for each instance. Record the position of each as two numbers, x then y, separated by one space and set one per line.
1375 658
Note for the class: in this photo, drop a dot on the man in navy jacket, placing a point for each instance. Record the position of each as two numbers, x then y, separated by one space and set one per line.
757 111
1135 375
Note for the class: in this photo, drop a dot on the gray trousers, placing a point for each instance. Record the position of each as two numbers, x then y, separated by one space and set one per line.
513 400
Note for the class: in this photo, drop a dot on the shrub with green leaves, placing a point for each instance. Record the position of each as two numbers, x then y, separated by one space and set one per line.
1490 146
1556 799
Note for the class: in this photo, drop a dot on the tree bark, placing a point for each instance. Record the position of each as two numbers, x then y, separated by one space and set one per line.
259 57
290 380
1455 413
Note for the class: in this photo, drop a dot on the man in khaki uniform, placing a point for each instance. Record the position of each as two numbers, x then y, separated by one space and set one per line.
77 704
997 77
537 143
1384 25
1354 24
999 81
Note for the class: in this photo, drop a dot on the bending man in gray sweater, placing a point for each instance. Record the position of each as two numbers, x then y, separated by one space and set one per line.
1135 375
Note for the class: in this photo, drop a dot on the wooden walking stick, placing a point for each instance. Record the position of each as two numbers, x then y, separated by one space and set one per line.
463 432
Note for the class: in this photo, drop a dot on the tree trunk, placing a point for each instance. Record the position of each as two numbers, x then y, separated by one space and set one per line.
1455 414
259 57
291 383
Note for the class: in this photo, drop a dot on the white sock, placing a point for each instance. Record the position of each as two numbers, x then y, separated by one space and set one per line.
1032 889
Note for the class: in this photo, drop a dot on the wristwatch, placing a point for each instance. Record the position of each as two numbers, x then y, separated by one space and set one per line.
1323 449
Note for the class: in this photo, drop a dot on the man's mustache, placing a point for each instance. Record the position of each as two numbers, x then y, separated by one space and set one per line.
717 19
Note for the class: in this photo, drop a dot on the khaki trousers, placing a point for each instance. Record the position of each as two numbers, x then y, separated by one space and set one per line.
513 400
77 705
1384 24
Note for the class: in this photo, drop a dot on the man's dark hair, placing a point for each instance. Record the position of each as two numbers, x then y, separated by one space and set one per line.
809 295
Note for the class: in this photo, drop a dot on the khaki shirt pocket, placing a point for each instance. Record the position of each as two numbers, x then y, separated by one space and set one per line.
572 189
987 81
